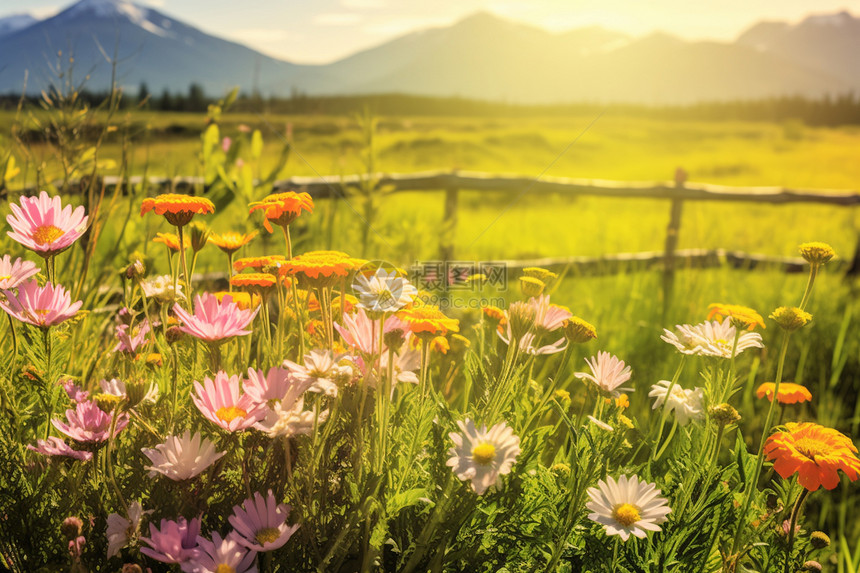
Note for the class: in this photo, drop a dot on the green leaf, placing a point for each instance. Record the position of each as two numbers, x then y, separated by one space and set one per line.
405 499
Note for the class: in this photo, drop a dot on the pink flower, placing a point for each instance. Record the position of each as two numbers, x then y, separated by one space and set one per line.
54 446
362 333
13 274
131 338
40 306
89 423
215 321
74 392
607 373
261 524
321 371
220 555
276 385
548 317
175 542
43 225
220 402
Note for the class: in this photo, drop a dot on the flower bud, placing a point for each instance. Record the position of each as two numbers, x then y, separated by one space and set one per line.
521 317
724 414
199 235
135 392
819 540
71 527
578 331
136 270
816 253
811 566
531 287
394 338
173 335
790 318
561 470
545 276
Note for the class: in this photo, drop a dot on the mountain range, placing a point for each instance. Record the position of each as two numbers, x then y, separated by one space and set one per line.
482 56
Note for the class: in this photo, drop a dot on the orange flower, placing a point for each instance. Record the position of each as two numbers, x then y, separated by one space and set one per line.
789 393
254 281
440 344
243 300
170 240
258 263
496 314
231 241
320 268
742 316
428 322
283 208
815 453
177 209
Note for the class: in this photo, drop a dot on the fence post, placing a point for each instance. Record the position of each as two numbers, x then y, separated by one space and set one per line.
448 232
672 242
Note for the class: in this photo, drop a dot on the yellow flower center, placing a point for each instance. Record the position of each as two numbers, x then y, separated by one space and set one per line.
224 568
626 514
230 413
484 453
267 535
810 448
5 277
41 311
47 234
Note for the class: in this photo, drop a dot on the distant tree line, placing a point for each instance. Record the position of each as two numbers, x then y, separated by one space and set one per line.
825 111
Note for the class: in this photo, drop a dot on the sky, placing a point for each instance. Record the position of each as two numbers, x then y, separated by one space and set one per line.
320 31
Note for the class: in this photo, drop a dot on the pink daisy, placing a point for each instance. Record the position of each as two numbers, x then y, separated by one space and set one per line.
548 317
362 333
89 423
261 524
43 225
215 321
174 542
608 373
221 402
13 274
40 306
220 555
54 446
276 385
73 391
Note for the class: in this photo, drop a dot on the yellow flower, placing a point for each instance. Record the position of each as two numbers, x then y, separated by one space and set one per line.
816 253
177 209
789 393
578 331
790 318
231 241
742 316
170 240
543 275
531 287
283 208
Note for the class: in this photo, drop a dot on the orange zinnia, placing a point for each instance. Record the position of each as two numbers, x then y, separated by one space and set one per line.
789 393
258 263
231 241
428 322
170 240
177 209
815 453
742 316
254 281
283 208
243 300
320 268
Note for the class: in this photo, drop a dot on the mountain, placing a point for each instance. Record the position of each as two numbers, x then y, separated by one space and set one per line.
149 46
482 56
828 42
15 22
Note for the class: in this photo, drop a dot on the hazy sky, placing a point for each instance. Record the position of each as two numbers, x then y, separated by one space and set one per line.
315 31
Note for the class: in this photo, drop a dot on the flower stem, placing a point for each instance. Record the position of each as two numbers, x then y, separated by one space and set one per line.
813 272
752 484
180 233
664 411
795 513
14 337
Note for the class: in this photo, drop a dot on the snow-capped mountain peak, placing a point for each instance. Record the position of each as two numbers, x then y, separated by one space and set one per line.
146 18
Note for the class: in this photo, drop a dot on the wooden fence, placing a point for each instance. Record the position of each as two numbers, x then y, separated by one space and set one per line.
676 193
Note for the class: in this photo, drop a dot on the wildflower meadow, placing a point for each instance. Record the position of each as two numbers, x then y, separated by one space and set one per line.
229 401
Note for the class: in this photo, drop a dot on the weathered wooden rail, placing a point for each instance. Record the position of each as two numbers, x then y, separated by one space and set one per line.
676 192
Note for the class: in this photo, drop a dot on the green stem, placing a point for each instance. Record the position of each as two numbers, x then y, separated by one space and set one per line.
752 484
181 233
14 337
795 513
664 411
813 272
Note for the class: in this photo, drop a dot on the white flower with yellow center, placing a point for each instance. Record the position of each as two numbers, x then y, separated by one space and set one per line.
687 404
482 455
711 338
627 507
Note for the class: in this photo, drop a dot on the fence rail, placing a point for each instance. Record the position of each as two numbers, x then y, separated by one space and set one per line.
676 192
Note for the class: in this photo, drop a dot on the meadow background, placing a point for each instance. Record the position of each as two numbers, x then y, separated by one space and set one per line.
626 308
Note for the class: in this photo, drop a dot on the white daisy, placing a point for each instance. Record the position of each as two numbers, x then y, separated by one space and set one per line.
288 419
627 506
711 338
115 387
161 289
182 457
608 373
383 291
482 455
687 404
120 530
322 371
